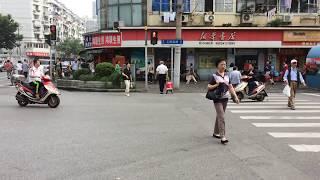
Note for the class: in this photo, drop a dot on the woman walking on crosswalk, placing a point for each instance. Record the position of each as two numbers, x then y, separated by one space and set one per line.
220 83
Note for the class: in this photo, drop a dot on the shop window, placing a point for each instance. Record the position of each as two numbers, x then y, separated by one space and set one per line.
169 5
299 6
197 5
263 6
129 11
246 5
224 5
208 5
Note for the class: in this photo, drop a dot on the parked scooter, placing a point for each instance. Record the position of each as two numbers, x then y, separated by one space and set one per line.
48 93
258 94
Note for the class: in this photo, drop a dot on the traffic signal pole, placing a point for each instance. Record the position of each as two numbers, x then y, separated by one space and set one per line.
177 59
146 58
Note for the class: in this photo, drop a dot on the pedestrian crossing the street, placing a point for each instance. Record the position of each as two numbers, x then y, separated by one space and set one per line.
282 123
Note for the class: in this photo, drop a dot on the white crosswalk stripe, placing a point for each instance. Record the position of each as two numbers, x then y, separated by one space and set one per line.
280 117
286 124
311 94
306 148
270 106
273 111
294 134
282 123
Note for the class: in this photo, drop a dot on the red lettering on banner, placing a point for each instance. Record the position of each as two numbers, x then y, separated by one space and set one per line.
106 40
206 36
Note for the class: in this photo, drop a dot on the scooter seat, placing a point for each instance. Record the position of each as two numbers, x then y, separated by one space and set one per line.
27 85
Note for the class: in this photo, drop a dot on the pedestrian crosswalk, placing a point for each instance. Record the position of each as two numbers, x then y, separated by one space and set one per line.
283 124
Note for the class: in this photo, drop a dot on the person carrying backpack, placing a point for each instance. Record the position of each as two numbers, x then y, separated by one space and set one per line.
293 78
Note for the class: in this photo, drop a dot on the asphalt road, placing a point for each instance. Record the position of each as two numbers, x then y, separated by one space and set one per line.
151 136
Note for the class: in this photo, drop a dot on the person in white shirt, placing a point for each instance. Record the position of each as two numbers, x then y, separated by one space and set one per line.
19 67
235 76
162 71
35 74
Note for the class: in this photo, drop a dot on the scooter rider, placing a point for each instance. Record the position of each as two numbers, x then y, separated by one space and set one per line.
251 79
36 72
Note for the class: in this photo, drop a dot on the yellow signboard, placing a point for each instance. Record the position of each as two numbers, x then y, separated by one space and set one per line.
301 36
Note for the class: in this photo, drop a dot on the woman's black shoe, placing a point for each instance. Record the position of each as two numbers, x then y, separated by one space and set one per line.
224 141
216 136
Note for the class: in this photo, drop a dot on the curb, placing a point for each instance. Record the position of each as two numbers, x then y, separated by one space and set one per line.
96 90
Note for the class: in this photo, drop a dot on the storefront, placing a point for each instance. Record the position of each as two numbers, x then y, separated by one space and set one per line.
203 46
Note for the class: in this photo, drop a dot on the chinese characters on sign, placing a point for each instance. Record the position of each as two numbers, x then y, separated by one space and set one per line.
39 54
172 41
103 40
214 36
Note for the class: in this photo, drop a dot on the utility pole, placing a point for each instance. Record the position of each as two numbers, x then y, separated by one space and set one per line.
177 59
146 57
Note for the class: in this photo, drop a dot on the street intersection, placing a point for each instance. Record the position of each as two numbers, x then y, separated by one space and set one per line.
151 136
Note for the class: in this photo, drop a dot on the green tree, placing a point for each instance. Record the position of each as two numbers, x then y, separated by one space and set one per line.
70 47
8 28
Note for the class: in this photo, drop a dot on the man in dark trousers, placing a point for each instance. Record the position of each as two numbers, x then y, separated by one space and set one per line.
293 78
162 71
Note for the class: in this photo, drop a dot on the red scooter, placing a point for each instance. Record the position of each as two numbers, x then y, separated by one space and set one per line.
48 93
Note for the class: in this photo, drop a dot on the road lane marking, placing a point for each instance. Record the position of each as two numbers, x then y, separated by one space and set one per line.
273 111
311 94
272 107
280 117
286 124
294 134
274 103
274 100
306 148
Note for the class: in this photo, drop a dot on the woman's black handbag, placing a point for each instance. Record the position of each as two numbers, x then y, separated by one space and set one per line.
214 94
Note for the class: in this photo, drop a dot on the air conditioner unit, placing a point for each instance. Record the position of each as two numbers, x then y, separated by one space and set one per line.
208 18
118 24
287 18
185 18
246 18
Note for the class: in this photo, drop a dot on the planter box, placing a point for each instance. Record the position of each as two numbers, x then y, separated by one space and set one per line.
93 84
81 85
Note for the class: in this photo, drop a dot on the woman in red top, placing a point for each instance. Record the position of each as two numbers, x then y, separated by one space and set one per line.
8 66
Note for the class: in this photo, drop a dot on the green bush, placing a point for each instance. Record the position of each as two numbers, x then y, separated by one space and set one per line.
104 69
77 74
87 77
116 78
276 23
104 79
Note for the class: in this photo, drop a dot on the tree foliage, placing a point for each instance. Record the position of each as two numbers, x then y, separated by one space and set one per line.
70 47
8 29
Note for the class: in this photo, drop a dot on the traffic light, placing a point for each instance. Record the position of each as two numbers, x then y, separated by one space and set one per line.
48 39
53 31
154 37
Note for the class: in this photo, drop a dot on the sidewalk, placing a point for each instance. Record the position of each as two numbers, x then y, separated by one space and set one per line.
201 87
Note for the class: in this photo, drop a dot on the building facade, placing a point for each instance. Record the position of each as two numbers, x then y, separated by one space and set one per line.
35 18
242 31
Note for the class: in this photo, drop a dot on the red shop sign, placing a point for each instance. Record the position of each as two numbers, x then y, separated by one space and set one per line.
107 40
40 54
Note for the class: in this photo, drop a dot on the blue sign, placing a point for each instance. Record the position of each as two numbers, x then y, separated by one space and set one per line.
171 41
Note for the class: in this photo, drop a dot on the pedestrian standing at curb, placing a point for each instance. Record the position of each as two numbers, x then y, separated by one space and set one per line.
8 66
117 67
19 68
25 68
162 71
235 77
220 81
191 75
127 78
293 78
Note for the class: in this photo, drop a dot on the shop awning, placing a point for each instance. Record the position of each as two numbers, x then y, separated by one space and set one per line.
314 52
314 55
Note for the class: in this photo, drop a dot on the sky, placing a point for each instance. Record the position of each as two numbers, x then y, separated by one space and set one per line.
80 7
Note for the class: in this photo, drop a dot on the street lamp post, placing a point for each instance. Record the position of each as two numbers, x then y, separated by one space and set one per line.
177 59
